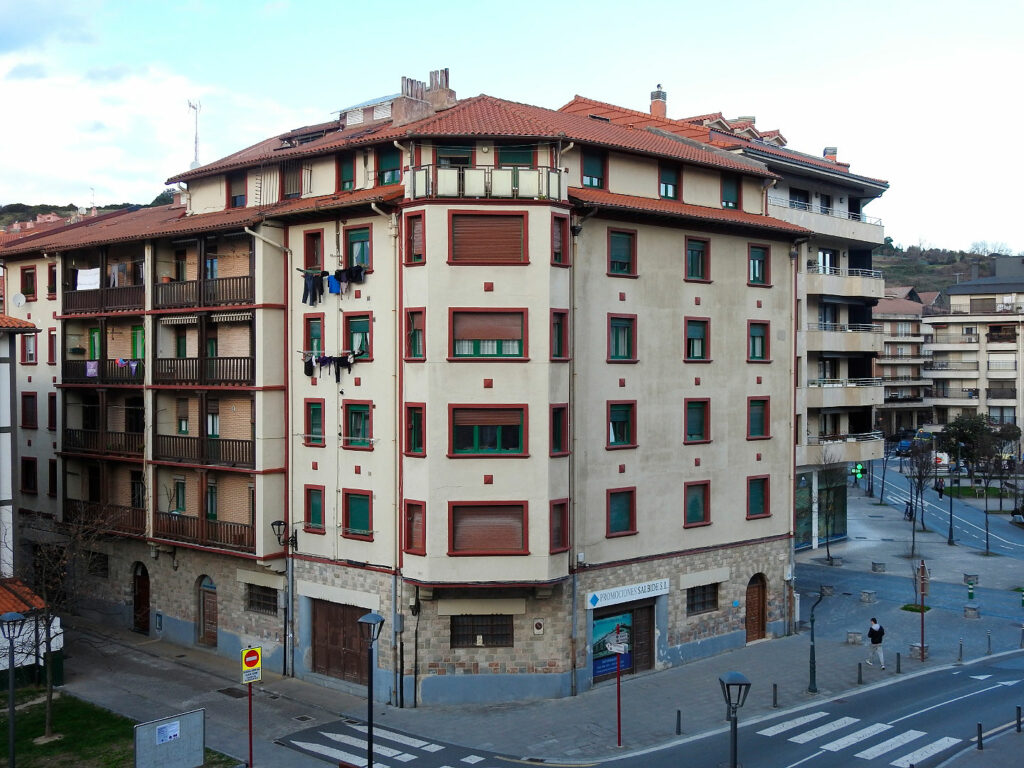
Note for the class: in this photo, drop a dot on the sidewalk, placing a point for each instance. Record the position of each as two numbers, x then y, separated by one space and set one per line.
165 679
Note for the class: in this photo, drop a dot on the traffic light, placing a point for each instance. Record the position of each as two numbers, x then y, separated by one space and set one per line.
857 470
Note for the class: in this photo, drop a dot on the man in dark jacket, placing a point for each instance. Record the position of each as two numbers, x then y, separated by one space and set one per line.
875 635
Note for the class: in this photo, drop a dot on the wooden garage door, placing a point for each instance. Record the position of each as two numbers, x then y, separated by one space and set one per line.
338 648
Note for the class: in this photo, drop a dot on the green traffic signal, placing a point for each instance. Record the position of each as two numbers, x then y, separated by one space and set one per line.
857 470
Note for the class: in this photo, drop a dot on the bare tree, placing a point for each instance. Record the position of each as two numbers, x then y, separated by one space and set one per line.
831 482
921 470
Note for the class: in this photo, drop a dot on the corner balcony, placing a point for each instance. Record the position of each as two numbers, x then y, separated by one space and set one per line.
116 299
103 372
843 393
114 518
952 368
833 222
833 281
218 451
864 338
176 526
953 396
951 341
862 446
904 359
204 293
98 441
211 371
485 181
1009 395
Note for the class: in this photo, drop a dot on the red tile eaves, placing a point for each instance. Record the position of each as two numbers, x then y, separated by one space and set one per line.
8 323
16 597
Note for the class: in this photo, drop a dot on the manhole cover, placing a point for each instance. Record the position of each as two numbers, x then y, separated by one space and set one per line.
235 693
303 718
273 696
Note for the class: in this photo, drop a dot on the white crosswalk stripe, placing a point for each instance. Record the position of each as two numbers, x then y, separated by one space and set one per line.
336 754
401 738
791 724
472 759
823 730
925 752
888 746
378 749
855 737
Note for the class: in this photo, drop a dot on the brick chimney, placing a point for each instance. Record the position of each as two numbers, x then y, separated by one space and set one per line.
831 154
659 102
418 100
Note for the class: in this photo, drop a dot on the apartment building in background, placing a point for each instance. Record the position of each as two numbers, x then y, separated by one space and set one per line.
901 364
517 379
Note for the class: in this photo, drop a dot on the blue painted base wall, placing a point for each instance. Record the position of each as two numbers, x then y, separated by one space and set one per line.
484 689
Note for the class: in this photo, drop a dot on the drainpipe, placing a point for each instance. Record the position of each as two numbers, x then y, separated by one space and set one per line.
268 241
794 256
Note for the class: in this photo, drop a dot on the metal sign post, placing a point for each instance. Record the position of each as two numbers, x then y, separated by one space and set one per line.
923 582
252 672
618 646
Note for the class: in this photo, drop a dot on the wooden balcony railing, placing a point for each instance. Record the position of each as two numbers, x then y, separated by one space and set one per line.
204 293
191 370
117 299
103 372
102 441
214 533
205 450
106 517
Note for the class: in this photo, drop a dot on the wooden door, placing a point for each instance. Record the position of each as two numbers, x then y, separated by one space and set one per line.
756 608
140 593
338 647
208 613
643 632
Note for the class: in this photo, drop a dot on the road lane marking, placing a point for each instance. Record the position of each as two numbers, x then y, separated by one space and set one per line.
355 741
401 738
823 730
925 752
856 736
789 724
887 746
944 703
336 754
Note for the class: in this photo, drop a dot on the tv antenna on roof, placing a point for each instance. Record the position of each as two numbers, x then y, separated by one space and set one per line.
195 106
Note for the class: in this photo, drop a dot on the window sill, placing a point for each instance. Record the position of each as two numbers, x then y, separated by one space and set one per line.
488 455
485 359
560 360
704 441
699 362
622 360
702 280
759 285
490 553
420 263
620 534
314 445
417 552
561 264
620 447
758 361
415 454
558 551
629 275
357 447
314 531
559 454
488 263
357 537
759 517
702 524
759 437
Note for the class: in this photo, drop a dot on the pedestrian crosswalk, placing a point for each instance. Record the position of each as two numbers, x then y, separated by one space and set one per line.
345 742
815 726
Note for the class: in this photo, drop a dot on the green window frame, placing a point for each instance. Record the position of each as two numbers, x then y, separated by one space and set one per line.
314 507
697 260
621 425
668 182
211 501
414 442
346 172
730 190
138 342
94 343
696 339
488 334
621 252
621 512
757 417
757 269
593 169
356 516
181 343
757 497
358 247
450 156
559 335
179 495
314 335
696 501
697 421
357 333
515 157
487 431
315 423
559 430
389 165
621 331
357 426
757 341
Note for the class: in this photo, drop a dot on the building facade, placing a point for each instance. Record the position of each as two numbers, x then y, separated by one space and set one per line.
516 379
901 363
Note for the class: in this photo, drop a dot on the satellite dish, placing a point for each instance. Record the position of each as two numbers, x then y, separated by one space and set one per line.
18 299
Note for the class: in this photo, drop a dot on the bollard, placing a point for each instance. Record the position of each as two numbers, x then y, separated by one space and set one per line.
775 695
1022 635
1018 718
897 663
860 673
960 656
970 590
980 747
989 651
679 722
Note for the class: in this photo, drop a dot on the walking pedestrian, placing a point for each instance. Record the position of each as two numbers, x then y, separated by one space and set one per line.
875 635
940 486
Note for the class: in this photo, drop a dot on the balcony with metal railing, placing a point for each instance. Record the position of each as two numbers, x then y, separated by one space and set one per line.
176 526
220 451
112 518
951 366
211 371
103 371
864 338
485 181
95 300
843 393
1001 393
832 221
204 293
953 395
835 448
819 279
955 338
104 442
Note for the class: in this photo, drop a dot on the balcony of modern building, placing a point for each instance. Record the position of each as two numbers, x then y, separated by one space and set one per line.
835 221
1001 369
104 350
205 271
903 397
957 369
843 393
909 357
105 495
108 422
824 280
104 279
896 336
485 181
860 338
205 429
206 508
953 396
1002 395
1001 338
840 448
904 380
205 349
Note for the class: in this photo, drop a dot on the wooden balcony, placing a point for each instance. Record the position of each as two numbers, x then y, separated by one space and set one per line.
191 370
204 293
106 517
103 442
103 372
205 450
118 299
212 533
485 181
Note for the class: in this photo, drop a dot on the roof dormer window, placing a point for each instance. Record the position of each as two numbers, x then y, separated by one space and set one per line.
236 189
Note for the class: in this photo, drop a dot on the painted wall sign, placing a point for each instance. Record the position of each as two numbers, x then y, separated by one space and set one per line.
618 595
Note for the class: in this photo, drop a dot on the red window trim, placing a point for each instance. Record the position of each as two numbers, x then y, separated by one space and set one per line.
51 411
566 242
524 215
405 431
407 233
345 493
633 335
406 353
767 417
306 317
26 398
307 430
767 496
707 419
525 358
633 257
707 260
344 244
306 234
707 339
565 357
51 346
767 265
345 317
565 429
679 181
525 437
33 462
346 443
337 170
632 425
552 549
51 268
406 548
35 282
321 531
706 485
452 552
608 512
24 350
767 341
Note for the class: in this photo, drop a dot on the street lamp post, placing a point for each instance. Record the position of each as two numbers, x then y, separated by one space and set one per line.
956 470
735 687
10 625
813 686
370 626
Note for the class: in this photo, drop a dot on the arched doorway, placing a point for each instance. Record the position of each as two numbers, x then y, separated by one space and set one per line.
207 612
140 599
757 608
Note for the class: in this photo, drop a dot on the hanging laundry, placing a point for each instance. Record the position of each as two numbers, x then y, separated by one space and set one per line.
133 366
333 284
121 362
92 368
307 366
356 273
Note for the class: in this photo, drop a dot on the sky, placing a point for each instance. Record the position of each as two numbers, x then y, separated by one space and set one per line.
94 97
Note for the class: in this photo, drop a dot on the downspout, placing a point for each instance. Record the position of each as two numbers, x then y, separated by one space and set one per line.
562 150
268 241
794 255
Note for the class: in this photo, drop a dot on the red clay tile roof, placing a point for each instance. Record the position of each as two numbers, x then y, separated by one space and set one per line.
603 199
170 220
898 307
15 596
8 323
581 105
